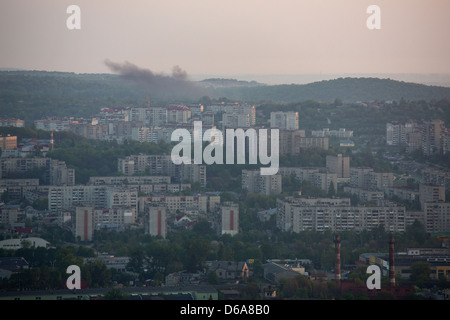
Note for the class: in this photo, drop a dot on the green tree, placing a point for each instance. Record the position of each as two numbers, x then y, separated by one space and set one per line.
114 294
359 273
136 262
331 190
416 233
99 275
213 278
40 204
289 287
420 273
195 253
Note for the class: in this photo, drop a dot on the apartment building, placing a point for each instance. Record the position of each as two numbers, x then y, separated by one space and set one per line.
162 165
87 219
141 184
447 141
433 137
431 193
117 217
397 132
412 216
60 174
326 132
207 118
16 187
54 124
8 142
437 216
284 120
122 130
155 220
413 141
196 109
148 189
337 215
66 197
84 223
19 166
407 134
235 121
318 176
161 134
364 194
121 180
338 164
295 142
98 131
158 116
402 193
235 115
303 143
436 177
18 123
126 114
198 203
287 139
141 114
141 134
380 180
178 114
121 197
55 171
10 214
229 218
254 182
367 178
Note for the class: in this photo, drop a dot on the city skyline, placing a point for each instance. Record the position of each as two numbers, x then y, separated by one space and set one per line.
248 39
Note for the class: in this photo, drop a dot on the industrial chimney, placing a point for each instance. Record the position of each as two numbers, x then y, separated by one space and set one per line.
391 262
337 261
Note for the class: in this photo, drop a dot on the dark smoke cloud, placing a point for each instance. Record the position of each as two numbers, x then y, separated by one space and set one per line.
161 86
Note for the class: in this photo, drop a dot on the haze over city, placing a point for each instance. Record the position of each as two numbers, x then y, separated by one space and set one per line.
270 41
226 151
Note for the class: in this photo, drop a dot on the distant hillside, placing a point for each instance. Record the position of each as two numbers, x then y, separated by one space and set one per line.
227 83
346 89
31 95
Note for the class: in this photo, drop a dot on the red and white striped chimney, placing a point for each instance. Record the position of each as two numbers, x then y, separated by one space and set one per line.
391 262
337 261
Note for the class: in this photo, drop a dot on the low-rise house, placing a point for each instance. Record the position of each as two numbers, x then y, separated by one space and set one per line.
229 271
184 278
17 243
12 265
274 272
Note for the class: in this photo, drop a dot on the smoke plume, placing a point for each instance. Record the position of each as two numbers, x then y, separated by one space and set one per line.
161 86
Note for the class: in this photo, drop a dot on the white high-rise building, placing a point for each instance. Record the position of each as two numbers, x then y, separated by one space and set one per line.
397 133
84 223
229 214
156 220
254 182
337 215
338 164
284 120
433 133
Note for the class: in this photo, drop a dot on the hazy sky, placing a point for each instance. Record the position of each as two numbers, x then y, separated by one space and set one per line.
228 36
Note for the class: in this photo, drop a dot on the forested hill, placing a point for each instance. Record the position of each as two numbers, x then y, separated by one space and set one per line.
30 95
346 89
